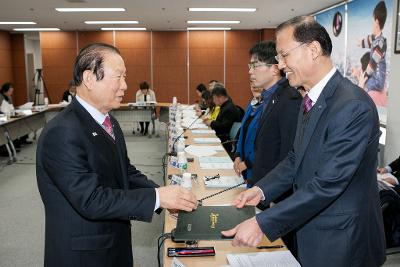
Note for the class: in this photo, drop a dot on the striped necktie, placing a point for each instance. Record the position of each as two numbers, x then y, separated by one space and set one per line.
307 104
108 126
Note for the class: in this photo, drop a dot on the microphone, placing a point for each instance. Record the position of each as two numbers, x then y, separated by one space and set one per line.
173 152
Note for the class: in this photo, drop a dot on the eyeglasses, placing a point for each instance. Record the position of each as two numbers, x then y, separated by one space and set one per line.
255 65
280 57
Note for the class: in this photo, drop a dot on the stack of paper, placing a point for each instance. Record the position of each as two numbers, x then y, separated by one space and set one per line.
388 179
208 140
203 132
270 259
200 151
216 163
224 181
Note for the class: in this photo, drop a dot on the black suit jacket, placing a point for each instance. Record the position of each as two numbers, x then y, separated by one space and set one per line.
90 192
335 207
276 130
228 114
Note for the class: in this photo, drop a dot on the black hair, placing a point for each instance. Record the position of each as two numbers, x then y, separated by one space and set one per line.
91 58
380 13
219 91
6 87
307 30
201 88
207 98
265 51
144 85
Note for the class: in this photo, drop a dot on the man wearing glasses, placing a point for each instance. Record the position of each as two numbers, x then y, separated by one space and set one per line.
335 208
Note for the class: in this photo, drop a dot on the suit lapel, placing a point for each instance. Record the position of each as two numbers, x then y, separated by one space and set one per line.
98 137
120 144
315 115
268 109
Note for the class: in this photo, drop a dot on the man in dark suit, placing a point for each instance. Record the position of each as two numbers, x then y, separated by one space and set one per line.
277 125
89 188
335 207
228 114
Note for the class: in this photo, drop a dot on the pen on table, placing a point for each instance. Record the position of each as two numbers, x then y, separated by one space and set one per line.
266 247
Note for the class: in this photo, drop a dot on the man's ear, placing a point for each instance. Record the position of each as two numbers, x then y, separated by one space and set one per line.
316 49
88 79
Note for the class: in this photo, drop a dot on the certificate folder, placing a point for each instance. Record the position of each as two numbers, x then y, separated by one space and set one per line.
207 222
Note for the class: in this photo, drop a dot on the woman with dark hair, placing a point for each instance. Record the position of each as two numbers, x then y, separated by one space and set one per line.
6 92
212 110
145 94
200 105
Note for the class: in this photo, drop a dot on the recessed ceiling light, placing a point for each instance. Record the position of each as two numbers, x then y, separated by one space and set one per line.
112 22
89 9
16 22
123 29
222 9
35 29
208 29
213 21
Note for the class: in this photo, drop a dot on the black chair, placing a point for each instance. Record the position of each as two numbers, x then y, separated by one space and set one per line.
390 204
241 111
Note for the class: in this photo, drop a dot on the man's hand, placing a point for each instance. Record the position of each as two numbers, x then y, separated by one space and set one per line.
250 197
236 163
177 198
248 233
381 170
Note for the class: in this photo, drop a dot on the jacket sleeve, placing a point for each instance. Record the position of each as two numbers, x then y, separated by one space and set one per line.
348 137
288 124
225 119
63 157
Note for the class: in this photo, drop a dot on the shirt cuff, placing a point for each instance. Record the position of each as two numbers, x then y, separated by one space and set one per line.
157 206
388 169
262 193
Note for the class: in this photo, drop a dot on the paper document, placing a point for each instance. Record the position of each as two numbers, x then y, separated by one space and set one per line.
210 140
224 181
387 178
216 163
203 132
199 125
270 259
27 105
177 263
200 151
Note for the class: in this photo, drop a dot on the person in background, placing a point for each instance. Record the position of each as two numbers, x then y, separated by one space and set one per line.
211 85
88 186
212 110
69 94
145 94
228 114
244 155
200 88
335 206
393 168
6 92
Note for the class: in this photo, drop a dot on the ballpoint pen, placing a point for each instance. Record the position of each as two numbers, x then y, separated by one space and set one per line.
270 247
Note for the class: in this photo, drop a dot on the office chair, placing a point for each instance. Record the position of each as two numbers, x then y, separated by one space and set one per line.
233 138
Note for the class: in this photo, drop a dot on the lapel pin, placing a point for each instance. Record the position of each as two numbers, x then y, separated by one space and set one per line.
94 134
273 101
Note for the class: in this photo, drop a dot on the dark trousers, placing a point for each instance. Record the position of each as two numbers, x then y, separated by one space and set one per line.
144 127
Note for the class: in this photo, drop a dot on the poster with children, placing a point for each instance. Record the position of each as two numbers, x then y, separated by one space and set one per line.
333 21
369 46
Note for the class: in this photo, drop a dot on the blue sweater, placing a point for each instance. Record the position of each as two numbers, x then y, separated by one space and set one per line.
246 152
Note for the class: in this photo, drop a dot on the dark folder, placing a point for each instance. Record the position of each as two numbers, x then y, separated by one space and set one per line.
207 222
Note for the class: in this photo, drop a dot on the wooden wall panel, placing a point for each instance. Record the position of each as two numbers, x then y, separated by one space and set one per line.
135 48
268 34
238 44
170 66
5 58
59 50
206 59
19 71
89 37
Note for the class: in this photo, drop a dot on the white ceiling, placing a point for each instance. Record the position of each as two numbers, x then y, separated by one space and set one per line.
155 14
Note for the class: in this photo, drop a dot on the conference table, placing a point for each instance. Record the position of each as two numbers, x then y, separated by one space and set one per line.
223 247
